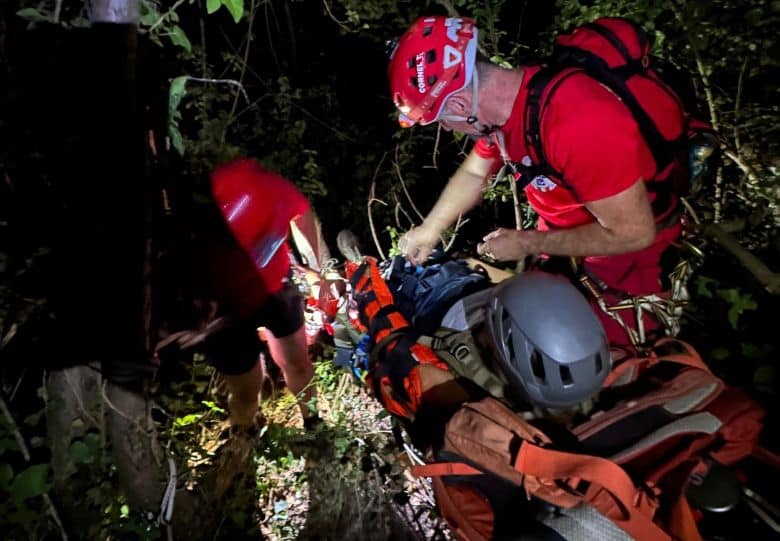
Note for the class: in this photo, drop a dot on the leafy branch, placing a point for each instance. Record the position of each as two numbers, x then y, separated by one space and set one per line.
176 93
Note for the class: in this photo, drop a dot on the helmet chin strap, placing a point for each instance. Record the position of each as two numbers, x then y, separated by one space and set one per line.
483 129
472 119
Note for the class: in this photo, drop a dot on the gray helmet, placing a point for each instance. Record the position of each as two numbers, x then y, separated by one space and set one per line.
550 344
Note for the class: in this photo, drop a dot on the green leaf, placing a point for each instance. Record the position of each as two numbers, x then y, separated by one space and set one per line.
176 139
751 351
187 420
704 286
124 511
764 375
81 453
149 18
212 6
175 94
6 474
32 420
7 444
32 14
754 16
80 22
720 354
235 7
179 38
500 61
212 406
30 483
738 302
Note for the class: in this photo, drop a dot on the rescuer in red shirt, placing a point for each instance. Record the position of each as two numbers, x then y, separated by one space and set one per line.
602 211
252 287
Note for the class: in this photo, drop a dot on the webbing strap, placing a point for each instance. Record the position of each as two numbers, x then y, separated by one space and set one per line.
767 457
689 358
535 461
438 469
636 509
682 522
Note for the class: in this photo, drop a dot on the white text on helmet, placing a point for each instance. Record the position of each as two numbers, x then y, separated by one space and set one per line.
453 25
438 88
420 60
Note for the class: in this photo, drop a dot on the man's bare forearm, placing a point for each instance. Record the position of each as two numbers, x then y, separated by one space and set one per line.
586 240
462 193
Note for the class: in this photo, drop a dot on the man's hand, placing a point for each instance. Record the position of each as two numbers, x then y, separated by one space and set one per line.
509 244
418 243
624 223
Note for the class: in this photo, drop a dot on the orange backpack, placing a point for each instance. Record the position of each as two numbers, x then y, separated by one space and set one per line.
660 419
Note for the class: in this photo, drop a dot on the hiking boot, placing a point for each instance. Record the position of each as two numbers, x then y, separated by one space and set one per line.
234 453
349 246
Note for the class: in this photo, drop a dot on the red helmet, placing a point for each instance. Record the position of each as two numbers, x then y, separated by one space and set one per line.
434 59
257 205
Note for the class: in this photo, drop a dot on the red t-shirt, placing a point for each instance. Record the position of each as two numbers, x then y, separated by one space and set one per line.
295 204
237 283
592 139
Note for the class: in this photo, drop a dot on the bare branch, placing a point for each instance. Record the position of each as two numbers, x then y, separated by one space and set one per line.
516 203
436 146
769 279
341 135
373 199
57 11
51 510
249 69
719 195
737 102
233 82
270 40
333 17
702 73
451 11
403 184
15 430
458 224
202 46
243 66
751 173
159 21
399 209
291 31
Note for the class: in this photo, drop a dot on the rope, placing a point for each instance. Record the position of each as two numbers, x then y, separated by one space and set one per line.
168 500
668 311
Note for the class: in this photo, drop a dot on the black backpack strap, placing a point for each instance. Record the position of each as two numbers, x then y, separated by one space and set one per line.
615 79
392 358
541 87
633 64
